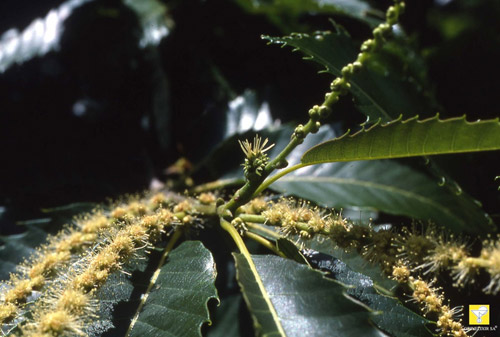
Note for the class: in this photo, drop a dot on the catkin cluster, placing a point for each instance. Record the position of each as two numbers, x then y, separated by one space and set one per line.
74 264
431 302
409 255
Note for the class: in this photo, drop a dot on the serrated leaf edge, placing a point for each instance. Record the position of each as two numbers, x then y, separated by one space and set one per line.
379 124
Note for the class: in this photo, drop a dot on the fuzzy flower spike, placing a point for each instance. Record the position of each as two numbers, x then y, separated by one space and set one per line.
256 159
256 149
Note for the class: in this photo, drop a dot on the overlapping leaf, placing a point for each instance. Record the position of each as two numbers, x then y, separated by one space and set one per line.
387 186
384 185
379 94
357 9
395 318
304 300
177 306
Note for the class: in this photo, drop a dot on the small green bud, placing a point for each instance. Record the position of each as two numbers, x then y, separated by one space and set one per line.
367 45
299 131
385 27
392 15
337 84
340 86
362 57
332 98
219 202
347 71
314 113
356 66
401 6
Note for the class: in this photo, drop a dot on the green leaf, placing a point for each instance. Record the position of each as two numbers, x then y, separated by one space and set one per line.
226 320
394 317
380 92
177 306
15 248
407 139
290 250
303 299
388 186
278 9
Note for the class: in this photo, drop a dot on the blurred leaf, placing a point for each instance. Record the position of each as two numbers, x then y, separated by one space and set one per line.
303 298
277 10
39 38
356 263
177 306
155 22
15 248
246 113
378 92
407 139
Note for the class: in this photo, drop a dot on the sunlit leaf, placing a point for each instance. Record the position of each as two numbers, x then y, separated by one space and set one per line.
409 138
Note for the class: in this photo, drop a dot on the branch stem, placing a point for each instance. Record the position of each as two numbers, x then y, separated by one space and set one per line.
264 242
277 176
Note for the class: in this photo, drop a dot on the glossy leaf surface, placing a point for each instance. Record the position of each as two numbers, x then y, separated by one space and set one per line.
305 301
177 306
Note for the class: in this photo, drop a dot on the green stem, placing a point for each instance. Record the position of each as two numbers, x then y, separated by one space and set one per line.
260 219
259 228
264 242
310 125
252 218
246 254
479 262
245 194
277 176
339 88
226 225
177 235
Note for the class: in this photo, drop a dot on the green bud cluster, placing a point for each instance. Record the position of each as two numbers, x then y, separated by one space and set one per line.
340 86
255 157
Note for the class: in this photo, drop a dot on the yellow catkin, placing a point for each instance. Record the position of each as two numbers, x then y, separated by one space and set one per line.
158 200
96 224
490 255
206 198
60 310
431 301
7 312
137 208
59 322
52 258
73 301
183 206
